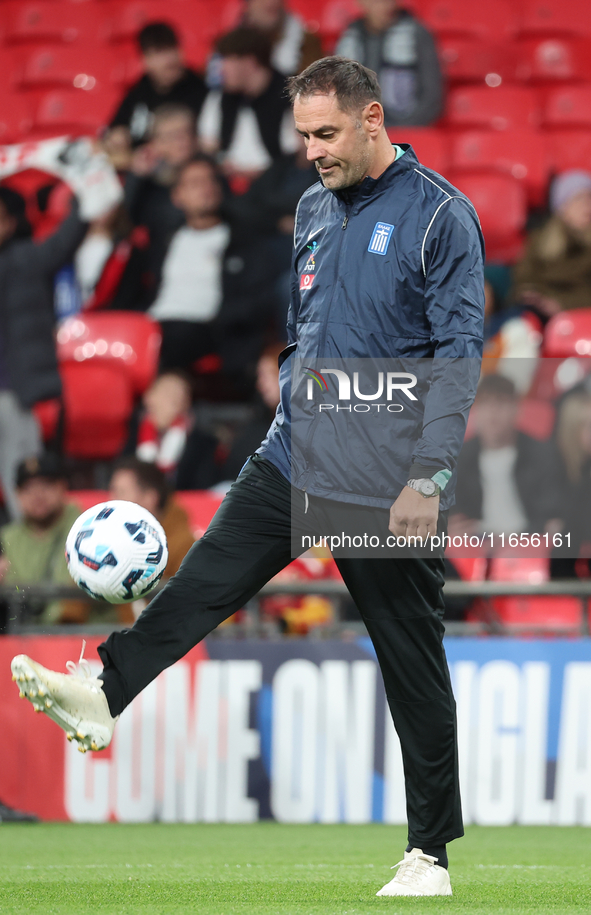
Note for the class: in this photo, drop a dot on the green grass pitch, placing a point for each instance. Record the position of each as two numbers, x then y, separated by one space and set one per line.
267 868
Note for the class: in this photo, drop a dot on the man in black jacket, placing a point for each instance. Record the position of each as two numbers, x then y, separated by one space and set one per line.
166 79
508 482
248 124
402 51
28 360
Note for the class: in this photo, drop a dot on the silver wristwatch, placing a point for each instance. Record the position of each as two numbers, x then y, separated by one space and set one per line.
427 488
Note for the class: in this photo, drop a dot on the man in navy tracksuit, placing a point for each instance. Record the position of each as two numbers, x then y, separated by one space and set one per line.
396 273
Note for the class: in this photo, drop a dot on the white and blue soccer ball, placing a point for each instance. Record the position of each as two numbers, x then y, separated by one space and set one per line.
116 551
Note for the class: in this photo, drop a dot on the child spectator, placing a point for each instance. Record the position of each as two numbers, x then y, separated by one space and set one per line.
402 52
248 122
168 437
555 272
33 548
166 79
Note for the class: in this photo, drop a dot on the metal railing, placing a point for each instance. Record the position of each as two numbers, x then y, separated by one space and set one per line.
254 624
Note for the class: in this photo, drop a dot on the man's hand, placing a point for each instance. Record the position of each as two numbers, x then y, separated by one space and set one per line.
412 515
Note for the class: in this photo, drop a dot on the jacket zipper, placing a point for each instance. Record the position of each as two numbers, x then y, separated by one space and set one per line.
348 208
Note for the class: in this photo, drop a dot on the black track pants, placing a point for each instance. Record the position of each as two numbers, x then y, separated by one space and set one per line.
400 600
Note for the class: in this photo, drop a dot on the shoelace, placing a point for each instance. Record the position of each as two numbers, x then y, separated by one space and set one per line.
82 669
412 869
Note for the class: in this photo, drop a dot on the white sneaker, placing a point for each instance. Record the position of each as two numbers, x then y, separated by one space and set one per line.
419 875
74 701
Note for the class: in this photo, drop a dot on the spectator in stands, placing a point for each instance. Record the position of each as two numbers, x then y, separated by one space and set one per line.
508 482
216 289
293 47
109 264
402 52
145 484
155 167
33 548
28 360
555 272
169 438
573 437
249 439
190 294
166 80
247 123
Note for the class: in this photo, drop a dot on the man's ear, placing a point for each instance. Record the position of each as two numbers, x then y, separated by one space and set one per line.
373 118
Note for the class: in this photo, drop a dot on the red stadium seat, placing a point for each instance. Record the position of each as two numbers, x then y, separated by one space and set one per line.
551 59
50 21
431 145
464 17
501 108
16 116
532 613
569 106
473 60
47 414
128 339
523 154
569 149
89 68
500 202
568 334
98 401
562 614
76 112
555 17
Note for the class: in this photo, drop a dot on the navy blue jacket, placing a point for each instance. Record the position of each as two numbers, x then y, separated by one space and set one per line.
391 270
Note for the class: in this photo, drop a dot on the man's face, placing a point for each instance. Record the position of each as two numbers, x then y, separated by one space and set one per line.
379 14
125 486
174 140
237 72
42 499
337 141
576 213
7 224
495 419
264 14
164 67
198 191
167 399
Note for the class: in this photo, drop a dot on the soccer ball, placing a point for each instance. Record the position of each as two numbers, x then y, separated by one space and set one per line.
116 551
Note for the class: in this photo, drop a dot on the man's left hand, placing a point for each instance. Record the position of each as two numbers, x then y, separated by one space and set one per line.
412 515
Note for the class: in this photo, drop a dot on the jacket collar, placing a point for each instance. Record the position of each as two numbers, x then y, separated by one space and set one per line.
370 186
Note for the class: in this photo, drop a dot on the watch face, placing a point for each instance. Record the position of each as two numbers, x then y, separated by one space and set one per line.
428 487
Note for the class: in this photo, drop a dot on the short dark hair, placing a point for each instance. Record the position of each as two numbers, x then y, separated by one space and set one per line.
200 158
246 42
148 476
157 36
174 110
354 85
497 386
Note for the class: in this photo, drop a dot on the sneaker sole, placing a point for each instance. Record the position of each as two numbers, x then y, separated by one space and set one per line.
446 892
88 734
